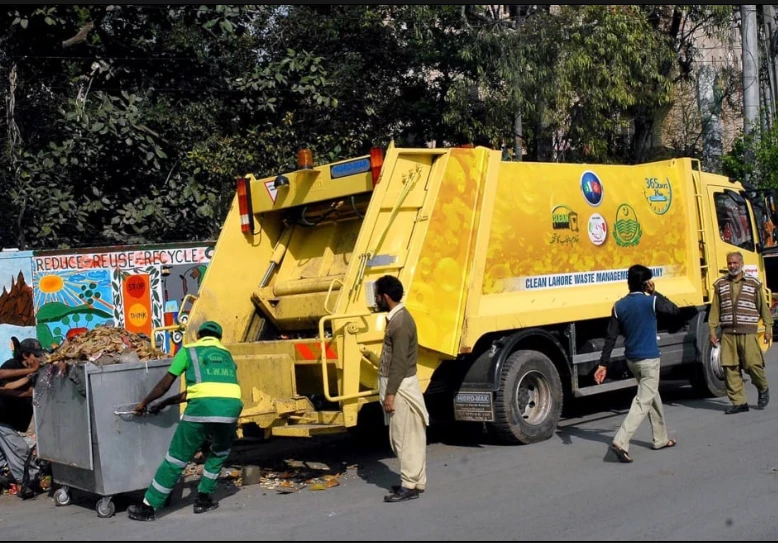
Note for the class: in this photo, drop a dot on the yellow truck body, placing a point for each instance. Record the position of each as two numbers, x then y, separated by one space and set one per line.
510 269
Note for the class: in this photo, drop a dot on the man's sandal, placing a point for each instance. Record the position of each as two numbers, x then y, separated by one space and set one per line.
670 443
621 454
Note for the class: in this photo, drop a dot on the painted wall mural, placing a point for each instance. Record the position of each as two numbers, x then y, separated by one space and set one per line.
68 303
138 288
17 313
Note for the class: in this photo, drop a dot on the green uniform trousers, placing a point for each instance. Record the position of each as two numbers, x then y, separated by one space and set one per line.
742 351
188 438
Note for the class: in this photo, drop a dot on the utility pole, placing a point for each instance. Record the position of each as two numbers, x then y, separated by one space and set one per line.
750 69
748 29
768 15
709 101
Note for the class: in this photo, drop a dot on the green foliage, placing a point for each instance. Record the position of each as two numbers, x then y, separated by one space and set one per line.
754 159
130 122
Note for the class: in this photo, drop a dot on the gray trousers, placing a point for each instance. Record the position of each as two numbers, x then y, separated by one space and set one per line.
14 451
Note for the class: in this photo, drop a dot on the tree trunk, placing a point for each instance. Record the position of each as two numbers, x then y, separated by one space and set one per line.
643 137
517 137
542 139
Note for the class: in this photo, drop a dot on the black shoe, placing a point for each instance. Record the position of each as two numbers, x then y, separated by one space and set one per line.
403 494
396 488
141 512
736 409
203 503
764 398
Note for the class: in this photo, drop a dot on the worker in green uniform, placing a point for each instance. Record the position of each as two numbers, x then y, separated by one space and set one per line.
738 304
213 407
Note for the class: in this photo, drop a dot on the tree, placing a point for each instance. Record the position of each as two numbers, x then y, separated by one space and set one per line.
134 120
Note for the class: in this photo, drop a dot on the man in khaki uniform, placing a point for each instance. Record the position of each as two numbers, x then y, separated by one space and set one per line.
737 305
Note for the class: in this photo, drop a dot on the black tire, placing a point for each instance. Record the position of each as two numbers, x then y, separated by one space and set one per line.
528 404
707 379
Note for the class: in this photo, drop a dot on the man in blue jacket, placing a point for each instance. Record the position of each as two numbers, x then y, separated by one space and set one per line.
634 317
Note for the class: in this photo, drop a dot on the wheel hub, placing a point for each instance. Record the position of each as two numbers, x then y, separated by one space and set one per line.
533 397
714 362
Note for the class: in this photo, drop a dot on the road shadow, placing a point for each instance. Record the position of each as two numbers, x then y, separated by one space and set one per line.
686 396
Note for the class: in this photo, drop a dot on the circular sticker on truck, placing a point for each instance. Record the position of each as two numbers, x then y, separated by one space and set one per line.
597 229
591 188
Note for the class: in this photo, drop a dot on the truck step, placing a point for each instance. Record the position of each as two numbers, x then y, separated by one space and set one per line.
307 430
607 387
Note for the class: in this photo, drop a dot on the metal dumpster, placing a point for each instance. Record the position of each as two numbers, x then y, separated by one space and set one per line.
93 445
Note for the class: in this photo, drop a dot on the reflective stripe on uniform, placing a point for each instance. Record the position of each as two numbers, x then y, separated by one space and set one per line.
210 475
175 461
223 420
213 390
195 365
221 453
159 488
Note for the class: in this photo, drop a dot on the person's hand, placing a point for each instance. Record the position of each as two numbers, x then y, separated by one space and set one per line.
26 393
649 287
599 375
34 364
768 336
157 407
714 340
389 404
140 409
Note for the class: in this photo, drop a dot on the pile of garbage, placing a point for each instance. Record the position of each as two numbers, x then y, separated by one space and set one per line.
299 475
290 477
105 345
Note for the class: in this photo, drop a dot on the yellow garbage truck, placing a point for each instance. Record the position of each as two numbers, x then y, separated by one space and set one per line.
510 269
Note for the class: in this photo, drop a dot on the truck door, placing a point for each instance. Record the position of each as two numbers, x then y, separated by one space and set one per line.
733 231
763 202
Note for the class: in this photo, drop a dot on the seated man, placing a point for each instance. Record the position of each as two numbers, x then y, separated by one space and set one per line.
16 408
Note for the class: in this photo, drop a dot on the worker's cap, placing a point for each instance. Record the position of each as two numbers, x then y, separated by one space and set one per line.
31 346
211 326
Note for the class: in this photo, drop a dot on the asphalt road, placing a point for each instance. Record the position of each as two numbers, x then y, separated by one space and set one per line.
719 483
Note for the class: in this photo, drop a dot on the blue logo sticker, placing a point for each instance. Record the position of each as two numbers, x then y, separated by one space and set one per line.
591 187
354 167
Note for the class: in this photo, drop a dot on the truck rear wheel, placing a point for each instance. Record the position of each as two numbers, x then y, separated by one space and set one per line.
528 403
708 377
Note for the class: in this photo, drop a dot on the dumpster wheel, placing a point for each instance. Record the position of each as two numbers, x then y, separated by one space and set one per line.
105 507
62 496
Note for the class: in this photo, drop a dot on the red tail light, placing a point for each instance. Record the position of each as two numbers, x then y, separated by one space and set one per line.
376 163
244 205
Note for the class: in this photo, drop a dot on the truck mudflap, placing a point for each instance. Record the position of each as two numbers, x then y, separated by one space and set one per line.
474 406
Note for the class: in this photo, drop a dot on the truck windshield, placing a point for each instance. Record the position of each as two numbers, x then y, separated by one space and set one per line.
734 222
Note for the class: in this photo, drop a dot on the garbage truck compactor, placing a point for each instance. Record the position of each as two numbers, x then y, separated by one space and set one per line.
510 269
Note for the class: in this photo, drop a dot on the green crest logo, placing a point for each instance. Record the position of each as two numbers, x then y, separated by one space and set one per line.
626 228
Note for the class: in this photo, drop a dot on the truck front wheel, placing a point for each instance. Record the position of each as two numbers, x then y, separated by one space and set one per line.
528 403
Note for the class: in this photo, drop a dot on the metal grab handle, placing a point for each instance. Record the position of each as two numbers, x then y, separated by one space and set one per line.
169 328
325 378
181 312
329 293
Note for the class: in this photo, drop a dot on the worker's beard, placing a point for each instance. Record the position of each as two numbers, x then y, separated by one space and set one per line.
736 272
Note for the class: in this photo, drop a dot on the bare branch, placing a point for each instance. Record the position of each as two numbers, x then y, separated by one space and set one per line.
81 36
